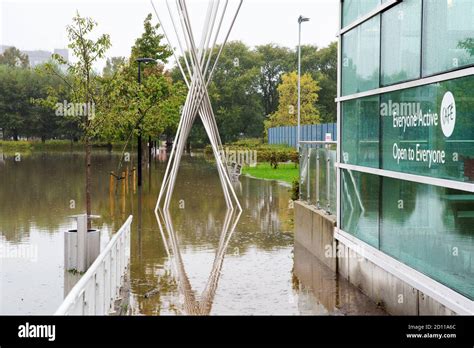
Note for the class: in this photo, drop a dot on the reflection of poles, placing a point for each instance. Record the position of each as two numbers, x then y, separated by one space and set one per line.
203 305
134 178
139 228
111 194
149 178
123 195
111 182
126 179
149 151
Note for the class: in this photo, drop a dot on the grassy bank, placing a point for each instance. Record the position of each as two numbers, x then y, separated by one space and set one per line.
286 172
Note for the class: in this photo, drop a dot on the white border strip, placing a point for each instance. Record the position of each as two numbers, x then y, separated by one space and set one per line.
338 118
410 84
439 292
368 16
461 186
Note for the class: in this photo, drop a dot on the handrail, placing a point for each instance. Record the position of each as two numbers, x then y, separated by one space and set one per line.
310 142
78 290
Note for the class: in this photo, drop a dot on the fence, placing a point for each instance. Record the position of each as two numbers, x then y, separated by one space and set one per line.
95 292
314 132
318 174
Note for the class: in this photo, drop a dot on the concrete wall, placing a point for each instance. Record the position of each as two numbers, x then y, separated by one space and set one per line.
314 230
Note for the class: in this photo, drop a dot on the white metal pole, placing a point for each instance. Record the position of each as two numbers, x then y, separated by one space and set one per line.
299 87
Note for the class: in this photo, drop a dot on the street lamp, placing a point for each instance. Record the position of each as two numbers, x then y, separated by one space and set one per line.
139 144
301 19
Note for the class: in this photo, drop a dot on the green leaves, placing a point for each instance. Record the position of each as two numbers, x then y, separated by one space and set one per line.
14 58
286 113
152 107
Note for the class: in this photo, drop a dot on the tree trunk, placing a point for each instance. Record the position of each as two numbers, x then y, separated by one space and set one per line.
88 181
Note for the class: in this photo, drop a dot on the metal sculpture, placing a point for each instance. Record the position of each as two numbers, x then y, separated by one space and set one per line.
197 74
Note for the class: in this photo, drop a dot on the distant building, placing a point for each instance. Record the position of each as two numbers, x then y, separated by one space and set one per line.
63 52
37 57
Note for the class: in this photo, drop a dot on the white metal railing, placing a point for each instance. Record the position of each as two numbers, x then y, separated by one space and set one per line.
96 291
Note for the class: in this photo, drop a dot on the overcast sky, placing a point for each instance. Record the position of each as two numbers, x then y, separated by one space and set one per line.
40 24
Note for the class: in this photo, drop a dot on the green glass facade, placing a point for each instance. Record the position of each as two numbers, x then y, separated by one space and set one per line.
418 131
401 43
360 58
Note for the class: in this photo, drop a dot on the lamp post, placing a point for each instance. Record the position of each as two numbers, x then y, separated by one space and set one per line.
139 142
301 19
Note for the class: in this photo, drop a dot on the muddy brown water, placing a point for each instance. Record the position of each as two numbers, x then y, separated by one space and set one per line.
259 272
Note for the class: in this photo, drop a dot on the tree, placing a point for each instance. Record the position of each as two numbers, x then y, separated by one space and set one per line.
148 109
13 57
322 65
286 113
244 90
19 114
274 61
83 84
113 65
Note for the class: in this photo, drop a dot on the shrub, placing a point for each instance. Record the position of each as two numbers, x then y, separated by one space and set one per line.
295 190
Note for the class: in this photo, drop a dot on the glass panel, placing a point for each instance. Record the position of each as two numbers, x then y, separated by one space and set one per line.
354 9
429 130
332 182
304 173
313 153
360 130
361 57
323 165
360 205
448 35
401 42
430 229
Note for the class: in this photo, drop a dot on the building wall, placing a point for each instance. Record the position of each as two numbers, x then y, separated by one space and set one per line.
406 125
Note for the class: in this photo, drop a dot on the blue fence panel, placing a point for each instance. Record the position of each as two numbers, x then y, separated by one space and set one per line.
288 134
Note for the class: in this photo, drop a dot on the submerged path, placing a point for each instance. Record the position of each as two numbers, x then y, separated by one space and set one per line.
262 272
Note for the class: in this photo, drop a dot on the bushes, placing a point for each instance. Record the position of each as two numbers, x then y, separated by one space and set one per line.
54 145
11 146
272 154
295 190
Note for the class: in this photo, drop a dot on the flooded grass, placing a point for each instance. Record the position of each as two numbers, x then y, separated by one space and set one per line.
286 172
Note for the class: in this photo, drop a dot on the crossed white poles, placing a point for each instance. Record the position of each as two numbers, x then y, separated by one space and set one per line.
197 78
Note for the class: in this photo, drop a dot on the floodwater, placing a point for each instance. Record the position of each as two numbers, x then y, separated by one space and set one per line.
206 260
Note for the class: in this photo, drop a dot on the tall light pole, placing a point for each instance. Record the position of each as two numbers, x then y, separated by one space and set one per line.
139 141
301 19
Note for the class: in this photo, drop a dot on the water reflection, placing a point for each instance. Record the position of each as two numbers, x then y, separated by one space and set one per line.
325 292
256 277
192 304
